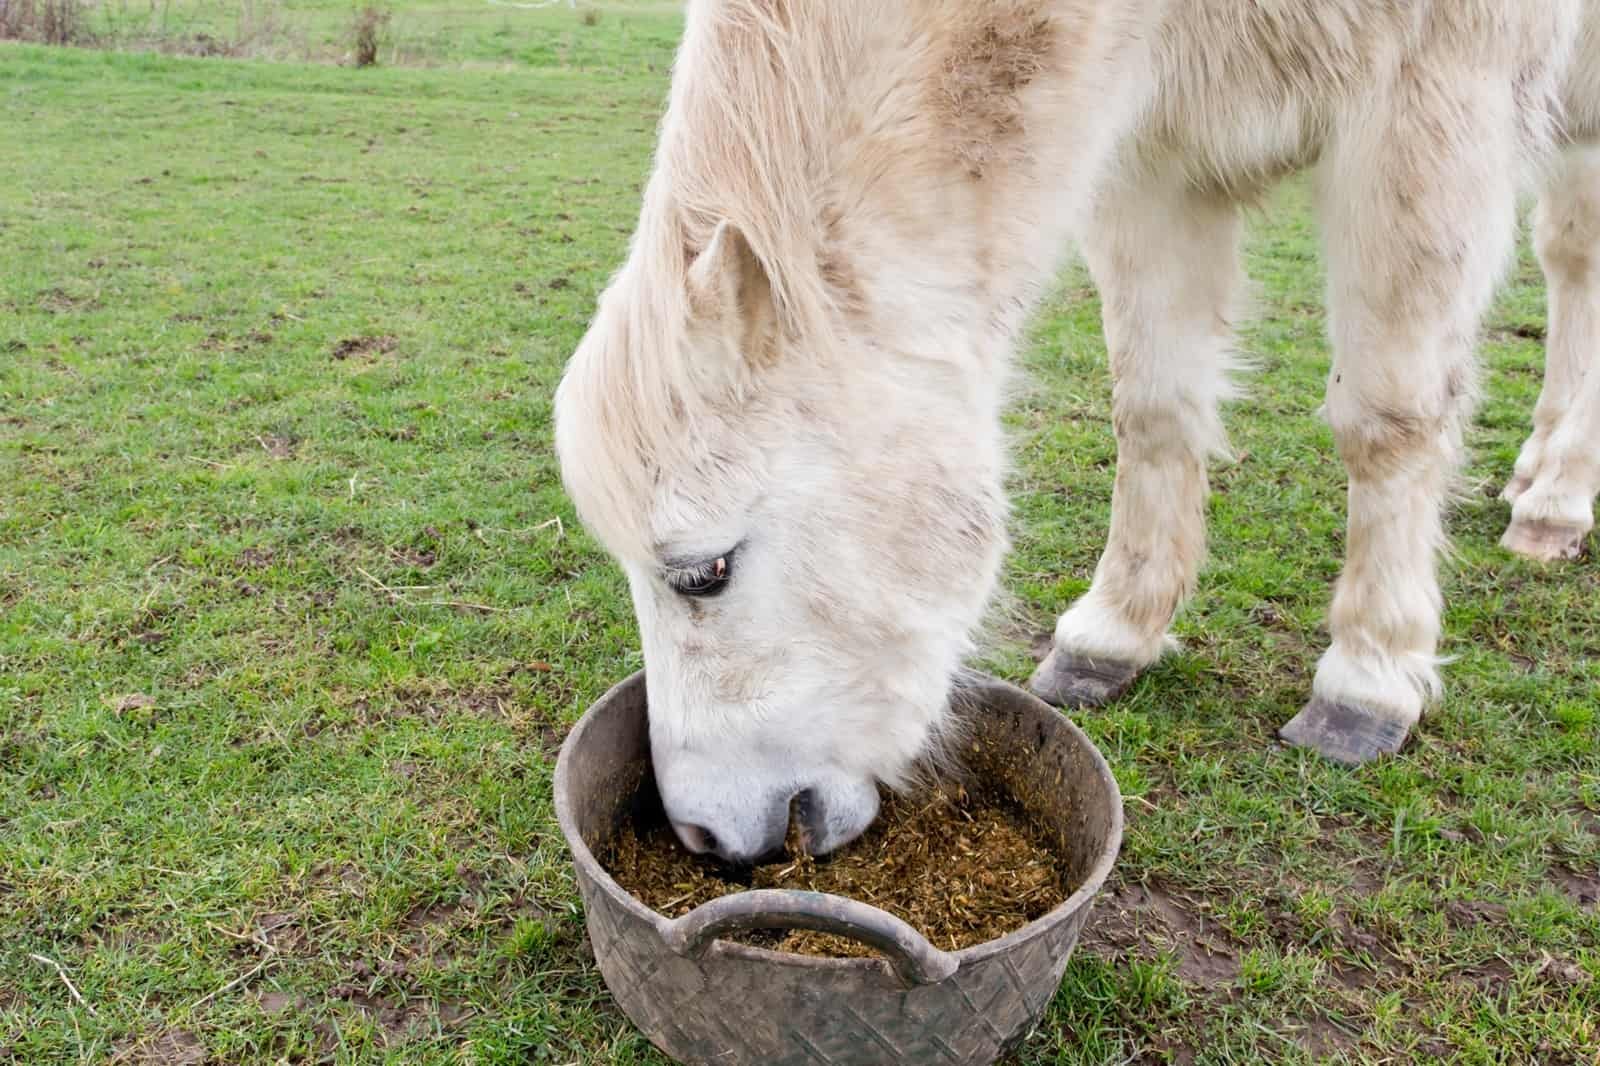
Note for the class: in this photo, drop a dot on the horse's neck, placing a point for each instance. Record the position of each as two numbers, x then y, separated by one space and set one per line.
953 268
943 147
966 185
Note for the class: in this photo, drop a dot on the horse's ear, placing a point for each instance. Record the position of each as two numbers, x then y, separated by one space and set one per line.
730 296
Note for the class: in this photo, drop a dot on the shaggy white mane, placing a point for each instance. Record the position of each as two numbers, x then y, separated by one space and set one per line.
745 139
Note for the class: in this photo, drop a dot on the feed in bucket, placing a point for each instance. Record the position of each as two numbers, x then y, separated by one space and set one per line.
962 864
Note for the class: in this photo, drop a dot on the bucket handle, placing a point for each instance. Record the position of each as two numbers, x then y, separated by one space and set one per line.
907 951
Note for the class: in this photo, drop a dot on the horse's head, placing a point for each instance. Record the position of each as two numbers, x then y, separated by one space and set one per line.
810 531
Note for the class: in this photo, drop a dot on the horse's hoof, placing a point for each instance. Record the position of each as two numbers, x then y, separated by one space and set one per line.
1343 732
1515 487
1543 541
1075 681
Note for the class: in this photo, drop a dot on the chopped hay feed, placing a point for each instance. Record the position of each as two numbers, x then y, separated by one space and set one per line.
962 867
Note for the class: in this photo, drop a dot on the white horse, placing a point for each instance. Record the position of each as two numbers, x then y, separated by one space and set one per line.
784 420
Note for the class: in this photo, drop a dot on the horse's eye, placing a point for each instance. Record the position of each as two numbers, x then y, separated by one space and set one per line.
704 579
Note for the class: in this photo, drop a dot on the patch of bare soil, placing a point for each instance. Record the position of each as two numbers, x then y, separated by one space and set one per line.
397 1015
1490 976
277 446
1323 1037
368 347
1527 331
1563 973
1363 941
386 991
272 1002
59 301
221 341
1467 913
283 932
433 704
171 1047
1368 873
1376 961
418 558
257 558
549 735
1147 919
1582 887
498 703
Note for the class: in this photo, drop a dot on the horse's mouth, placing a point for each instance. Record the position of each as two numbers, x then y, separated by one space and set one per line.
801 833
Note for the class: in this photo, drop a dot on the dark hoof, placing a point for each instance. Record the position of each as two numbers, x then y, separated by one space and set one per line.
1072 681
1346 734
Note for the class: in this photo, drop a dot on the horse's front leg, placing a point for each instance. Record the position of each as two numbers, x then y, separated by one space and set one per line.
1419 217
1166 262
1558 471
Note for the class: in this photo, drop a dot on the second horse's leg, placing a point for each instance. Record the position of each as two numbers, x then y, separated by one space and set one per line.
1558 472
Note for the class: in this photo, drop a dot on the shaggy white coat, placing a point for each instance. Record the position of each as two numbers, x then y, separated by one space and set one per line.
799 369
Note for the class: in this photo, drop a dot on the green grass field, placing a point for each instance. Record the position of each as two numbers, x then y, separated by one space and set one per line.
294 613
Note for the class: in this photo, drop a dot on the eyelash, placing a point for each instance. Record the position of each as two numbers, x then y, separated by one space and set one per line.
706 579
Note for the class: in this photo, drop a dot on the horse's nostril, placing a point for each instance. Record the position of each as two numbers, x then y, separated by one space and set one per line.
805 817
696 838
